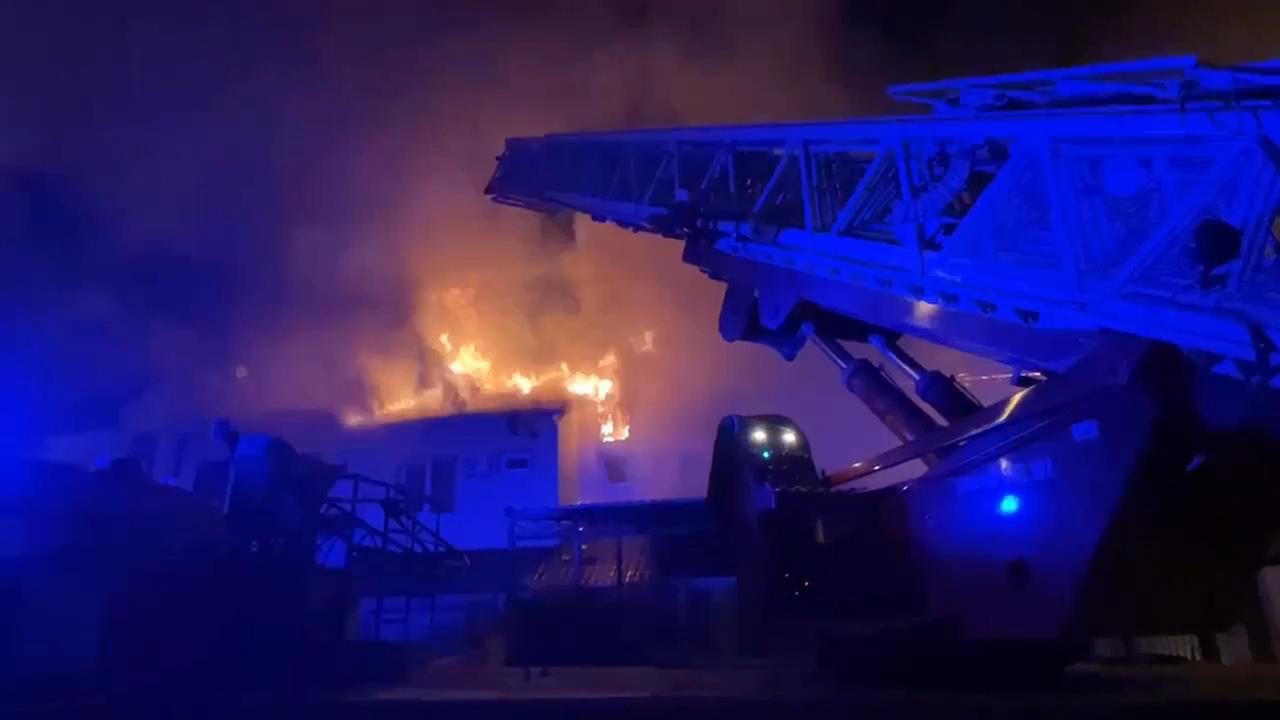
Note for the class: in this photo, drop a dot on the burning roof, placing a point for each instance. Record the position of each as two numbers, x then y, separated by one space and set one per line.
466 374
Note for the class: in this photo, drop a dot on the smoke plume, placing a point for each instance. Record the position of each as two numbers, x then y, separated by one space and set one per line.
275 200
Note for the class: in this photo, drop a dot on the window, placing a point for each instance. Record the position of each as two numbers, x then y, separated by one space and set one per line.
615 470
444 483
517 462
413 480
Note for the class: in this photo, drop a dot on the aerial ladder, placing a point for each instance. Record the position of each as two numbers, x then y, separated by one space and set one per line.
1110 232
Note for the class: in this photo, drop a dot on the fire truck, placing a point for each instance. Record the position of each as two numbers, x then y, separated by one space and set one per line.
1108 232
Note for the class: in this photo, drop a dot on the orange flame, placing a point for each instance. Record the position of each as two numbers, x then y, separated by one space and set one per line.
470 363
467 362
472 373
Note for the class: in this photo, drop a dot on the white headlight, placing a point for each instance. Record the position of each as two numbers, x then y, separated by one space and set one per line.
789 437
758 436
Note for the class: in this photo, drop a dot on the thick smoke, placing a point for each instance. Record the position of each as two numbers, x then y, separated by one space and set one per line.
539 293
289 189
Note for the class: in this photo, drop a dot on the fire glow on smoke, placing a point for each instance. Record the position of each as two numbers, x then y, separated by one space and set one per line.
473 378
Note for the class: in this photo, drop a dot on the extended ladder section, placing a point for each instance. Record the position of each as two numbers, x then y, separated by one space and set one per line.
1024 217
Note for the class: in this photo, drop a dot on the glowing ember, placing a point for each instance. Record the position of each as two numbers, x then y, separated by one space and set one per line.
589 386
525 384
469 362
613 432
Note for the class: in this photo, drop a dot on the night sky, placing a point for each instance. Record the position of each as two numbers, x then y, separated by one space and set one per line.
188 187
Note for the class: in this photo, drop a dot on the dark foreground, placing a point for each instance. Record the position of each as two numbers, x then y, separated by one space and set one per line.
477 694
672 708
